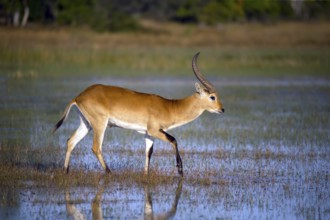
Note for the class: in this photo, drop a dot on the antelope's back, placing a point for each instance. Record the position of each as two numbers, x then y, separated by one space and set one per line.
122 103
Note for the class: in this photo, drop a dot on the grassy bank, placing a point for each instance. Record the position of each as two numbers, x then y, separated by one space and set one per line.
166 49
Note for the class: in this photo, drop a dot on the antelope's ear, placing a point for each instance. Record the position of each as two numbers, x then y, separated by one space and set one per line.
199 89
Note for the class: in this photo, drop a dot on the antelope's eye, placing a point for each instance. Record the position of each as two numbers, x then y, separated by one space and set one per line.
212 98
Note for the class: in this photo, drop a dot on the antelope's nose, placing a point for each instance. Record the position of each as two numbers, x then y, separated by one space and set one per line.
221 111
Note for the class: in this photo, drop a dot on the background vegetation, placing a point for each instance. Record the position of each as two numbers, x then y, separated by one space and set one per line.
123 15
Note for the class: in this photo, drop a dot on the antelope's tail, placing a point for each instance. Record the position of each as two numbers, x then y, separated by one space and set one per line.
65 115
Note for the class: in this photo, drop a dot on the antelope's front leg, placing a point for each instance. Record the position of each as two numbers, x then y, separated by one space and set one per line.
166 137
179 164
177 154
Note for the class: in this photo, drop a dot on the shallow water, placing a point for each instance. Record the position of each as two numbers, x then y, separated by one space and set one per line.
266 157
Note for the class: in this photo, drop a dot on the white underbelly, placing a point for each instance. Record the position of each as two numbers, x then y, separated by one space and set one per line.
127 125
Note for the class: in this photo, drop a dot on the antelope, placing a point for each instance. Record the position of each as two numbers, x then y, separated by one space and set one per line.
100 106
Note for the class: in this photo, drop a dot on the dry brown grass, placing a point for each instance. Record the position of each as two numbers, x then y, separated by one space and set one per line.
289 34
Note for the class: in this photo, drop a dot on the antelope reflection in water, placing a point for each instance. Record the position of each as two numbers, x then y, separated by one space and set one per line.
96 207
148 208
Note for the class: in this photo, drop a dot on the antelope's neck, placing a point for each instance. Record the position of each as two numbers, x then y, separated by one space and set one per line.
186 110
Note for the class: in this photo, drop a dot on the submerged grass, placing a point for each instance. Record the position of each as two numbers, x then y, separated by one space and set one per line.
24 177
33 167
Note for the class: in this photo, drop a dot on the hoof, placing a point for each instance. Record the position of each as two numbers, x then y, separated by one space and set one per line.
66 170
180 171
108 171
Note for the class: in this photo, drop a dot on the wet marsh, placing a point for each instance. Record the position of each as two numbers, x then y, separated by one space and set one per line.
266 157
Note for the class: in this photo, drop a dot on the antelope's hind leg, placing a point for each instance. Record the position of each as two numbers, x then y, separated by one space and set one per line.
77 136
97 143
149 149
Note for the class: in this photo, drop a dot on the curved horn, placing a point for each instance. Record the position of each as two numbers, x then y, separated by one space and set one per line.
199 75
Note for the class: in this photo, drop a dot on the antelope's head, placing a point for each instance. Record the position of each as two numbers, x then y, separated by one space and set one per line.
209 98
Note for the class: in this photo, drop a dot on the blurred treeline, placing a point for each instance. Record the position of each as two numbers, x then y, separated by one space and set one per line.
119 15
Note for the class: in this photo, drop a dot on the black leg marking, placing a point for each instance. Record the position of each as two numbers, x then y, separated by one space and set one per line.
175 147
151 150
